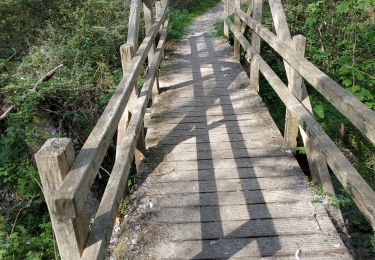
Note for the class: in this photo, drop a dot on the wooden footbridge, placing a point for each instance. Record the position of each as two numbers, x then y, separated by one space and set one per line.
216 177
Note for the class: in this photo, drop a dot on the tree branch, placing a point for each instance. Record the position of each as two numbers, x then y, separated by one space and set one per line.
3 116
47 77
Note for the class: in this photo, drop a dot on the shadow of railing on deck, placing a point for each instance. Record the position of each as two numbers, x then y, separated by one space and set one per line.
206 162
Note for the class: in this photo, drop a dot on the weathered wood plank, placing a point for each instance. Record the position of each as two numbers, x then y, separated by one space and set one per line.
54 160
199 113
214 132
230 164
170 174
311 247
215 140
260 184
220 153
248 229
243 212
229 198
208 119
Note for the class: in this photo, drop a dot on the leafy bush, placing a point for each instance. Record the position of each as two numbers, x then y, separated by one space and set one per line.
84 36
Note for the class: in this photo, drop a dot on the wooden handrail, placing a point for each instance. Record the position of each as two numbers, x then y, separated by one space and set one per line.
104 221
361 116
73 192
358 189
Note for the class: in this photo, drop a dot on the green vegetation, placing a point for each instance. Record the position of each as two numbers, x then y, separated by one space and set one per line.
341 42
183 14
36 37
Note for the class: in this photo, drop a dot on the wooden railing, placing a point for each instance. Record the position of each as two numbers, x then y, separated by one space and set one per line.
67 180
320 149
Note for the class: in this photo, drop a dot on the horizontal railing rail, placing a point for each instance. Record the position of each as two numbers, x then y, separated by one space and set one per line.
67 181
362 117
358 113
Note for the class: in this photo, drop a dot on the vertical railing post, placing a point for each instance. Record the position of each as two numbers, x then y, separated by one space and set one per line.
226 14
317 163
237 23
158 8
149 19
127 52
257 12
295 85
245 28
54 160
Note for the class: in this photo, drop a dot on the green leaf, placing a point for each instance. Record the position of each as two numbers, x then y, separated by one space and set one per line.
300 150
343 7
370 105
347 83
364 94
356 88
319 111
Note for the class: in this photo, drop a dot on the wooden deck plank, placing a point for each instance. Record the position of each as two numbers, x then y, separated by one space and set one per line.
260 184
223 174
206 213
230 164
247 229
228 198
255 248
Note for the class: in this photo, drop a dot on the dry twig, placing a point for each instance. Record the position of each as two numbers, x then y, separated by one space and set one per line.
47 77
3 116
